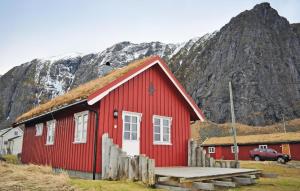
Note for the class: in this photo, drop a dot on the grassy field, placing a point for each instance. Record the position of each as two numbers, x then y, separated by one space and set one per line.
288 179
32 177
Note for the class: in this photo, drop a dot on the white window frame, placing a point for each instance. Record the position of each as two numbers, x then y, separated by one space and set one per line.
81 138
232 149
39 129
139 119
161 142
263 146
211 150
50 132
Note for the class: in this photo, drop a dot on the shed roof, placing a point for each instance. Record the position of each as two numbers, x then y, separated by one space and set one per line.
254 139
91 91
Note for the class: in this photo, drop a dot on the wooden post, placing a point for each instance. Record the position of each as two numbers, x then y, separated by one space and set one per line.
144 163
134 168
151 175
113 163
194 154
203 157
190 152
233 123
211 162
199 157
104 154
207 164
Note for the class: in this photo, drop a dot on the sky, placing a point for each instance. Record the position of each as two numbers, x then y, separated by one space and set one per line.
44 28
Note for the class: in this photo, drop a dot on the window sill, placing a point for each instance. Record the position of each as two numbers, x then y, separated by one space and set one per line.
161 143
79 142
49 144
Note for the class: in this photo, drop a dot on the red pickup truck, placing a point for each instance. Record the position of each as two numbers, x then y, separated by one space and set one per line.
269 154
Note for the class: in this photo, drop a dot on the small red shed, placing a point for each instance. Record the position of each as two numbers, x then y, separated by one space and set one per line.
222 147
141 106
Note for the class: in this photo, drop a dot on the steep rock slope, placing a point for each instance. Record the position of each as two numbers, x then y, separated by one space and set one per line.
35 82
259 51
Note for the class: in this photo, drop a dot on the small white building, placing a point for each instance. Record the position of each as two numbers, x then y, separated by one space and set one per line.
11 140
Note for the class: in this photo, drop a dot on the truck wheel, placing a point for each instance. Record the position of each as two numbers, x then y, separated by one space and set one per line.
257 158
281 160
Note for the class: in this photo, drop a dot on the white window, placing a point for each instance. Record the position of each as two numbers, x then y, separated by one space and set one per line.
161 129
263 146
39 129
50 132
211 150
232 149
81 123
131 122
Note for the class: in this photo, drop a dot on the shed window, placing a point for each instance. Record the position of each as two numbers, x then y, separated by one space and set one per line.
50 132
161 130
81 123
263 146
211 150
39 129
232 149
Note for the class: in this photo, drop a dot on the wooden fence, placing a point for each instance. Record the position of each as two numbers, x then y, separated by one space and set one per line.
116 165
198 157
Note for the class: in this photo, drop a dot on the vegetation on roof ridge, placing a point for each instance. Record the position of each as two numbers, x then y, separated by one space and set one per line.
261 138
82 91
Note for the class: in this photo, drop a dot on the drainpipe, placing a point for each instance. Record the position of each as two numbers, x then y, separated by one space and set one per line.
95 142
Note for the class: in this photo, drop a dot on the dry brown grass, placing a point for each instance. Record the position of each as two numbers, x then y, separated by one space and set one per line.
83 91
31 177
207 129
262 138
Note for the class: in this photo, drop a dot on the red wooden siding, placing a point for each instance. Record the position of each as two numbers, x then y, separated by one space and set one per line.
224 152
166 101
63 153
295 151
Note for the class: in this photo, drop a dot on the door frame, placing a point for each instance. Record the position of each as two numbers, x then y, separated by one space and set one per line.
139 120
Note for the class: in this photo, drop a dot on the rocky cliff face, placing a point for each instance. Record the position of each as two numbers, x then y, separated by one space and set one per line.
37 81
259 51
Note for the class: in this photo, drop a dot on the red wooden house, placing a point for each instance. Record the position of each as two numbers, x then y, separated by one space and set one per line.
141 106
222 147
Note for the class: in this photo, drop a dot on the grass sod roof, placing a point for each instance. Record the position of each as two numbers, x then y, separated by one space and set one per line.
82 91
254 139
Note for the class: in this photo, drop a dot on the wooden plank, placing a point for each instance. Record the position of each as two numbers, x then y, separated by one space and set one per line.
113 163
151 175
203 158
144 167
190 152
227 164
134 168
207 156
243 181
140 166
199 157
105 157
269 175
203 186
211 162
121 167
224 183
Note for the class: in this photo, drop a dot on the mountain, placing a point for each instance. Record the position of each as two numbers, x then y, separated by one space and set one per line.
39 80
259 51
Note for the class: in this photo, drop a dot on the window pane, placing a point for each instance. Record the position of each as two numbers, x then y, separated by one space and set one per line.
127 118
166 130
127 127
156 129
156 121
165 122
134 127
126 135
156 137
134 119
166 138
134 136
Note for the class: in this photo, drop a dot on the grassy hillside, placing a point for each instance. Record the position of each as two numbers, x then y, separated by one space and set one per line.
209 129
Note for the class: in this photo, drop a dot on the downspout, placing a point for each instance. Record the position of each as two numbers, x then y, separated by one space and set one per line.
95 142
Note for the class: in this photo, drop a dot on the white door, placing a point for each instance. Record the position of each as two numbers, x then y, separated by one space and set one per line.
131 133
